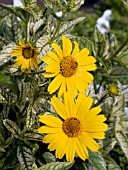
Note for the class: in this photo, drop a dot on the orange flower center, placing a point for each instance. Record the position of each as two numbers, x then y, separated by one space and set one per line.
28 52
71 127
68 66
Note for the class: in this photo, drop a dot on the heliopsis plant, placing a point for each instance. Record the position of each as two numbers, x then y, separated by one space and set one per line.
27 56
75 129
70 67
57 110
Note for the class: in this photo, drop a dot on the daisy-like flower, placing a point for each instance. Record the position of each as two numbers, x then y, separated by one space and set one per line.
69 67
75 129
113 89
26 56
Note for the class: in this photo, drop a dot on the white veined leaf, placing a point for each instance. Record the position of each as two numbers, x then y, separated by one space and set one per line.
68 26
49 157
12 127
37 25
31 114
121 138
97 160
43 44
57 166
111 164
109 145
25 157
5 53
74 5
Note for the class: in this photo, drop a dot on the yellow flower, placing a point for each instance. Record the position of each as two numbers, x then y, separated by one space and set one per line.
113 89
75 130
26 56
69 67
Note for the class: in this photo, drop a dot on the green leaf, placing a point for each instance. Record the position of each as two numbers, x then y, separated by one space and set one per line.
97 160
31 114
125 2
34 136
122 140
9 82
3 12
25 157
120 130
111 164
66 27
119 72
5 53
12 127
49 157
75 5
57 166
17 11
109 145
11 28
10 161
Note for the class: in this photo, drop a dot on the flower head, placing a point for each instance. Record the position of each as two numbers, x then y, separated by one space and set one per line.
75 129
69 67
26 56
113 89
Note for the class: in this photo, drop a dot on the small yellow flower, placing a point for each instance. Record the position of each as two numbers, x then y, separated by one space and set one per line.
75 130
113 89
26 56
69 67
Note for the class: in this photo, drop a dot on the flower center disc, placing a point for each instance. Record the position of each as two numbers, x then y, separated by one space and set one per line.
28 52
68 66
71 127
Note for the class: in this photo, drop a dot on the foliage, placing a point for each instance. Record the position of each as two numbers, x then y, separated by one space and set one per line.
24 96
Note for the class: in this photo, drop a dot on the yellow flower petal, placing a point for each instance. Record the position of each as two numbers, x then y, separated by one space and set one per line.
58 50
50 120
88 61
49 75
84 75
53 68
70 149
59 107
81 86
92 113
61 146
76 49
22 44
90 67
49 137
55 84
53 56
99 118
47 129
24 65
18 63
83 53
69 104
96 135
67 46
88 142
62 89
95 127
83 104
81 150
54 142
71 87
